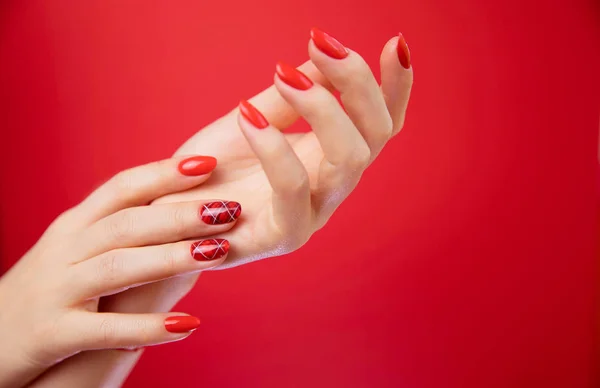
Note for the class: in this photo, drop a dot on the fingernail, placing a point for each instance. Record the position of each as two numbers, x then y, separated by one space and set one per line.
253 115
197 165
220 212
328 44
211 249
293 77
181 324
403 52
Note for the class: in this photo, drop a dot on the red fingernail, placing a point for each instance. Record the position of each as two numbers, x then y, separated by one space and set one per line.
197 165
293 77
211 249
328 44
253 115
181 324
403 52
220 212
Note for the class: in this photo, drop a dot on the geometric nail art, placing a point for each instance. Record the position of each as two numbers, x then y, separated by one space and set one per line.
220 212
210 249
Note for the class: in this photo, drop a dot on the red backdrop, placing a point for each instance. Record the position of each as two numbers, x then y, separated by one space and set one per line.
481 275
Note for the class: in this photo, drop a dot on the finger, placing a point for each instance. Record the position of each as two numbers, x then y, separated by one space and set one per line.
88 331
140 185
276 109
359 91
342 144
157 224
396 79
120 269
285 172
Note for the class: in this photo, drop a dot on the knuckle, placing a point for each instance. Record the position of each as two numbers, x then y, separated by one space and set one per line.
108 333
169 261
359 158
180 220
357 73
122 183
61 223
121 225
141 331
110 266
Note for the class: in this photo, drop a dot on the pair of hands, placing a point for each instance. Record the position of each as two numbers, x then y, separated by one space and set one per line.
288 185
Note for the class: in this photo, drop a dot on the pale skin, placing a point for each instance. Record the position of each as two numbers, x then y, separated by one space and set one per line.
289 185
107 243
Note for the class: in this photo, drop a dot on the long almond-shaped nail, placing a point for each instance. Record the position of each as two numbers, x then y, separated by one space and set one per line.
220 212
328 44
293 77
210 249
253 115
403 52
181 324
197 165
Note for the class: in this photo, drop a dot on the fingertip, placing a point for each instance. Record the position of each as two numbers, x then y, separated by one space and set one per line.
181 324
396 53
197 165
252 115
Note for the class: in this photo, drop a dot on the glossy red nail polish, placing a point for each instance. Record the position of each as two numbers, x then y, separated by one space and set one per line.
197 165
220 212
181 324
403 52
328 44
253 115
210 249
293 77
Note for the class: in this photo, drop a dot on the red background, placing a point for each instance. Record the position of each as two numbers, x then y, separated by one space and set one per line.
477 269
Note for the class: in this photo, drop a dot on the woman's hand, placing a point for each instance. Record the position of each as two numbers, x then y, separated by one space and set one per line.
108 243
289 184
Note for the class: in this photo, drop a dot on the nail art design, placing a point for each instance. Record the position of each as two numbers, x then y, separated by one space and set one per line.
197 165
328 44
181 324
403 52
293 77
211 249
220 212
253 115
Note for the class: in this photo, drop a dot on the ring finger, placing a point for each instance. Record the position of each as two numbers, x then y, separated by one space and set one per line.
157 224
119 269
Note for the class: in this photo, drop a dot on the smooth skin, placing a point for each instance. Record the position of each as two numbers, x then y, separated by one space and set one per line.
49 301
281 210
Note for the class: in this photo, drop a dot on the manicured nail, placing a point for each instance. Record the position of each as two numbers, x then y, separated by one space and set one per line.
210 249
328 44
197 165
403 52
220 212
253 115
293 77
181 324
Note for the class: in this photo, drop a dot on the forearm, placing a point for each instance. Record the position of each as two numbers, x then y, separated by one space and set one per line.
101 368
